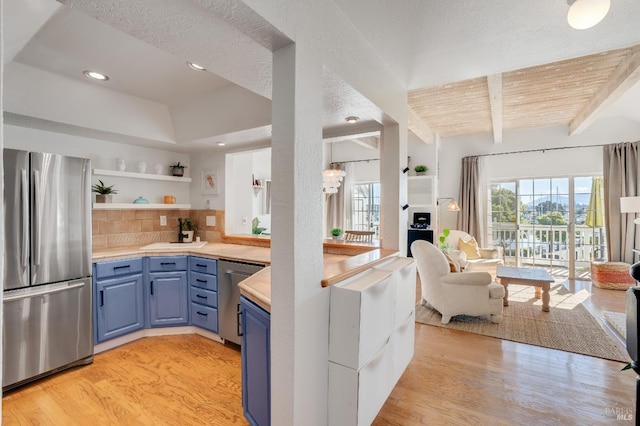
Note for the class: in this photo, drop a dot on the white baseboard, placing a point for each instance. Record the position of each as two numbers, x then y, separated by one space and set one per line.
165 331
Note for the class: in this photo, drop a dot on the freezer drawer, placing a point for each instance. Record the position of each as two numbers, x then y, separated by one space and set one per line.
45 329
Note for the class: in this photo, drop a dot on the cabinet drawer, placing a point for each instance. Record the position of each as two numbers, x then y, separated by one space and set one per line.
204 316
210 282
118 268
361 317
403 274
357 395
204 297
205 266
167 263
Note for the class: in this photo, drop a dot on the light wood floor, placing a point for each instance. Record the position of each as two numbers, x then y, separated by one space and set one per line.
455 378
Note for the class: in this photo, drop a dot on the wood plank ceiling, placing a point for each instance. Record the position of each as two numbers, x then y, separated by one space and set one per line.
539 96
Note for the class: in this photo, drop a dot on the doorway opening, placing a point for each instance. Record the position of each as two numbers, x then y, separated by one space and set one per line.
556 223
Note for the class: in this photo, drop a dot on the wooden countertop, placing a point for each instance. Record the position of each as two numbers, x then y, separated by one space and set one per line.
243 253
337 267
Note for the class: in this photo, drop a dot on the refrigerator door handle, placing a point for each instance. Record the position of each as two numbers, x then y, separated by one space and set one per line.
24 190
40 292
38 220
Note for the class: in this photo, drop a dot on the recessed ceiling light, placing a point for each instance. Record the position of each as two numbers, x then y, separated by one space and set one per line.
95 75
221 144
352 119
195 66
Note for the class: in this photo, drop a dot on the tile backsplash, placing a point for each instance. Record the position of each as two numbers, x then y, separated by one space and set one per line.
118 228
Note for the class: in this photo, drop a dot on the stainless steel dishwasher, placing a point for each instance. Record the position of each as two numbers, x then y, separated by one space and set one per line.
230 273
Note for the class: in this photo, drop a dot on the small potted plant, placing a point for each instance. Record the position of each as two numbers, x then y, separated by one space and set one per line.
177 169
104 193
421 169
443 240
190 228
336 232
256 229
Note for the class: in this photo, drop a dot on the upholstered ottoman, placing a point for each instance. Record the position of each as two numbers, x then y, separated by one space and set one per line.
611 275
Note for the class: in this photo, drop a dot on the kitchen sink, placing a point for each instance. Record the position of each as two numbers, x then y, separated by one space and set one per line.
173 246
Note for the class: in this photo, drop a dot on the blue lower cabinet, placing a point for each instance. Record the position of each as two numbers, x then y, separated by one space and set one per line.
204 317
256 363
167 296
119 306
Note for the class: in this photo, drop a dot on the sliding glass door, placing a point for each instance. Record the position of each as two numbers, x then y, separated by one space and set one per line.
365 207
555 223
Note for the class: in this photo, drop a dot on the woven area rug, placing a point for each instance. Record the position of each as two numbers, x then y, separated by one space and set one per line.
568 326
618 322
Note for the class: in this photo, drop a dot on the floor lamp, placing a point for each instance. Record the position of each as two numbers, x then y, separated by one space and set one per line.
452 206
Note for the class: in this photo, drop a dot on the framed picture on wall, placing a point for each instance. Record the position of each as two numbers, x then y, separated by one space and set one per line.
210 181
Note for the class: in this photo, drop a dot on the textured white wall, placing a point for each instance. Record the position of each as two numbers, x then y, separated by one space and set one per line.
103 156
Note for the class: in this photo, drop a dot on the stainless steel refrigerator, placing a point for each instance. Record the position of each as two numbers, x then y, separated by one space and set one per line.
47 265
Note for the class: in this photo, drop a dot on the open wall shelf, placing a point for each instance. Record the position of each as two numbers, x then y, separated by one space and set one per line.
131 206
105 172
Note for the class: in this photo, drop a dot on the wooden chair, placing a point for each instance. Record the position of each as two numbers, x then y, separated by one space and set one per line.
359 236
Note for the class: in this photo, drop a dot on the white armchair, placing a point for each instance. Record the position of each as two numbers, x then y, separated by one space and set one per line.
487 262
450 293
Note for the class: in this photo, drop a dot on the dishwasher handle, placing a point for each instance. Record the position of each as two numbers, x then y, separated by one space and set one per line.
239 315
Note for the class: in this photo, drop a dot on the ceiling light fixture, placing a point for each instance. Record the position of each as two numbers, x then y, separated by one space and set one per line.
331 178
94 75
196 66
585 14
221 144
352 119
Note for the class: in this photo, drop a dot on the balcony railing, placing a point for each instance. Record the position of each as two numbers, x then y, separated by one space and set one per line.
548 245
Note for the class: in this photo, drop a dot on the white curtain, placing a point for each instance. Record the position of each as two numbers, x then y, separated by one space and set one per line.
621 179
473 199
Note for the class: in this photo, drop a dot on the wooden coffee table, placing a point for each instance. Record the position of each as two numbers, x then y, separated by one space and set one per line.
537 277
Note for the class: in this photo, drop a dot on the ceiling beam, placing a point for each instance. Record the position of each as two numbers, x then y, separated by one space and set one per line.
369 143
624 76
494 82
419 128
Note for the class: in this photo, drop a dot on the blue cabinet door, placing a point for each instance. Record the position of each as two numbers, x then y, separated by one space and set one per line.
119 306
168 302
256 363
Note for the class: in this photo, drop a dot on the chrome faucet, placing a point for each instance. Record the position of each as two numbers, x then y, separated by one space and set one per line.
181 236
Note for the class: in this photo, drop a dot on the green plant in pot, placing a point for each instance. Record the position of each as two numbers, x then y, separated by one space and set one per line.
190 228
336 232
256 229
421 169
177 169
443 240
104 193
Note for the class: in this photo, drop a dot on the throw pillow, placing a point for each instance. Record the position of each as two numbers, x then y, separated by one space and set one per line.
453 267
470 248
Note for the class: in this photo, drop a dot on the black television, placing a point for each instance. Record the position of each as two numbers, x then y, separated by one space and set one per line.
422 218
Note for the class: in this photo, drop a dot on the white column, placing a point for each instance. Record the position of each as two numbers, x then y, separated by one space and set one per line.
393 158
2 231
299 306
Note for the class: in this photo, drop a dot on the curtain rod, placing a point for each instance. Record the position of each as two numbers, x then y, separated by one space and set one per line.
536 150
355 161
